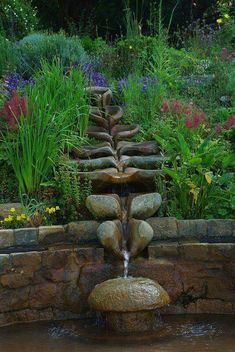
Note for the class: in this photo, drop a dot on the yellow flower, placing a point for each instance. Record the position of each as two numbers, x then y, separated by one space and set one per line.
195 193
219 20
47 210
226 15
12 210
53 210
130 47
18 218
208 177
57 207
10 218
23 216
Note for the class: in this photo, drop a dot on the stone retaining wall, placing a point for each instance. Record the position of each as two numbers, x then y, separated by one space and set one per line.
55 283
84 232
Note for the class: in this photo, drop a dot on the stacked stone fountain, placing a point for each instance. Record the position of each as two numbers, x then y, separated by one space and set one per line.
129 303
115 160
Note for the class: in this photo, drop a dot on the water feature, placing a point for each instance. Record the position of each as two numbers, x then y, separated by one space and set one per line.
128 303
191 333
126 257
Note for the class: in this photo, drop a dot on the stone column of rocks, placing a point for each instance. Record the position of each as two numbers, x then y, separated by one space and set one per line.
115 160
110 232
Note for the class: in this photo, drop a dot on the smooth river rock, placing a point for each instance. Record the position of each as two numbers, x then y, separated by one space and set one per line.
145 206
104 207
140 236
128 295
110 236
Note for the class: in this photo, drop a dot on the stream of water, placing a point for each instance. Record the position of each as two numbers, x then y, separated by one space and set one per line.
126 263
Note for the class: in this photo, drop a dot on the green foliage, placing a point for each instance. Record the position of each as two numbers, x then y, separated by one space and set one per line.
17 18
55 105
142 102
72 192
132 20
8 184
7 56
41 46
163 66
133 55
95 46
200 175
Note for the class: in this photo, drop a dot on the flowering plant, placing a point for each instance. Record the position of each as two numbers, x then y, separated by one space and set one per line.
192 116
43 216
13 109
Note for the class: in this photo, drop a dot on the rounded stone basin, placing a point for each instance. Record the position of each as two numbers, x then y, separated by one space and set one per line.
129 303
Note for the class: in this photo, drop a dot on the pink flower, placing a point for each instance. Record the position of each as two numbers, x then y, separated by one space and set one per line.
229 123
165 106
176 107
189 122
198 117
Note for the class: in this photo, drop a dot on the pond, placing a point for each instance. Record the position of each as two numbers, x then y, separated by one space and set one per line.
188 333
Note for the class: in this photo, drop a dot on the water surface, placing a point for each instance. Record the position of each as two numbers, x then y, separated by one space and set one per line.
191 333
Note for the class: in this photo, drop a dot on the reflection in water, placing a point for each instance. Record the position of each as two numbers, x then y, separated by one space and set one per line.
176 334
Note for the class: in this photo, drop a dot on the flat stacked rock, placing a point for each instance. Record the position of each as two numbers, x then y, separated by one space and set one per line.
114 160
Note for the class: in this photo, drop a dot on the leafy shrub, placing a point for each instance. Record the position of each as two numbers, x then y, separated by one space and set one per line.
17 18
201 165
39 47
141 98
72 192
133 55
7 56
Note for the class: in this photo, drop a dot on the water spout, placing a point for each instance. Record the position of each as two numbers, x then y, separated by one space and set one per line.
126 263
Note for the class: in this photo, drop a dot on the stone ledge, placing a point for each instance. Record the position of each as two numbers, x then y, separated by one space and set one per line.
41 238
215 252
216 230
84 232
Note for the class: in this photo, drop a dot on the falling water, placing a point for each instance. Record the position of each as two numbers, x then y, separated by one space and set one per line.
126 263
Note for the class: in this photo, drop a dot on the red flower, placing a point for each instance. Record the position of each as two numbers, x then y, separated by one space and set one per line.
164 107
198 117
176 107
13 109
189 122
229 123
